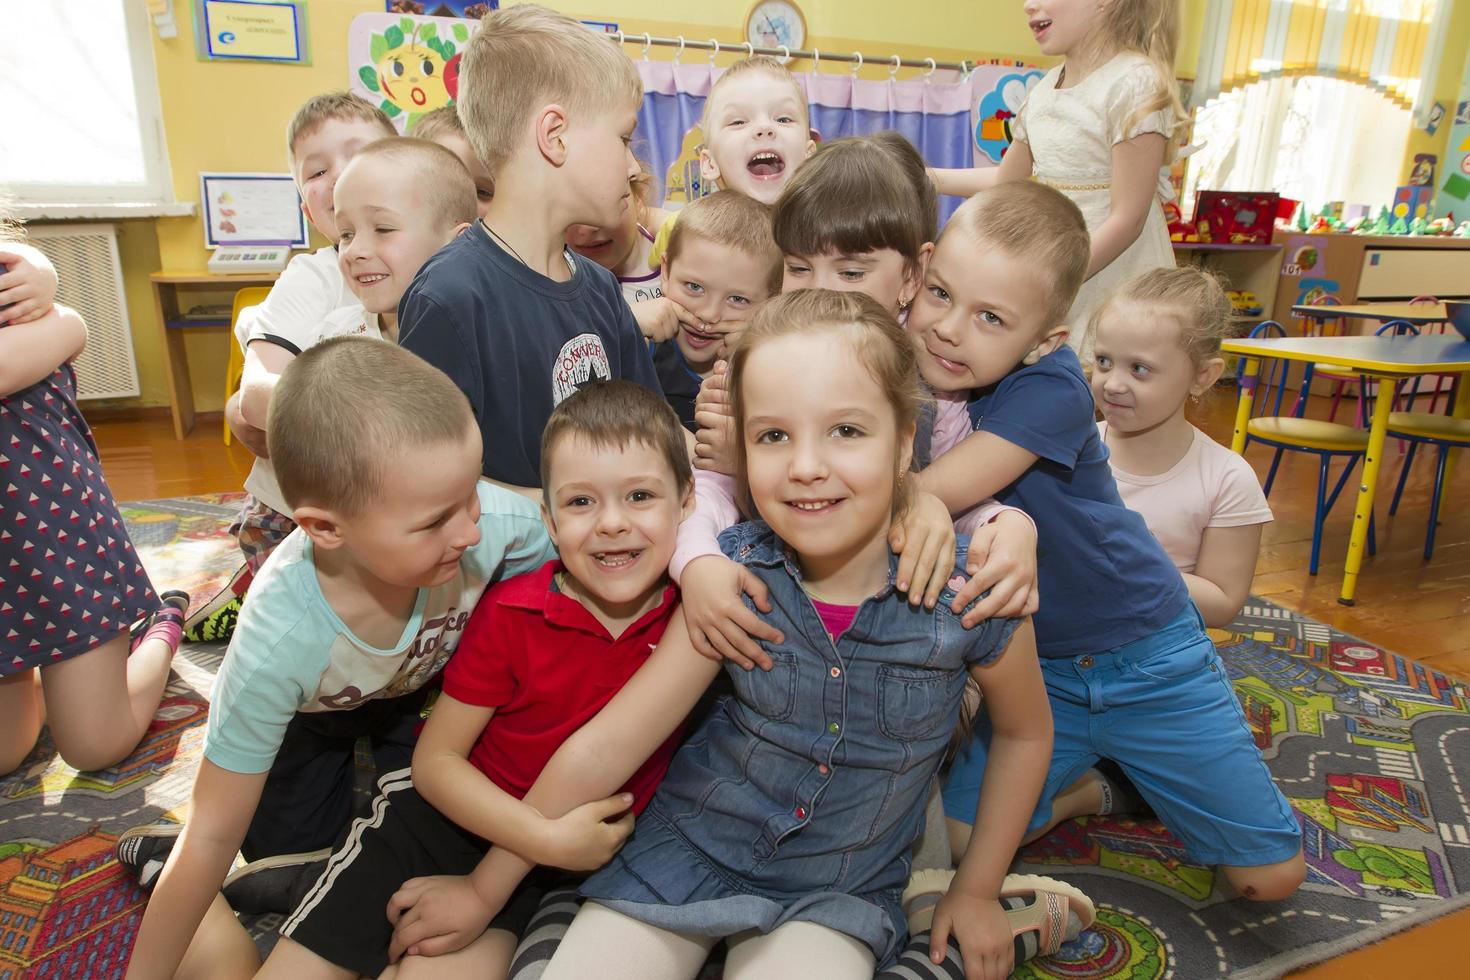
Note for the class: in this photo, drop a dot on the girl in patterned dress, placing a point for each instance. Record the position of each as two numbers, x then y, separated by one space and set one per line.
71 584
1100 128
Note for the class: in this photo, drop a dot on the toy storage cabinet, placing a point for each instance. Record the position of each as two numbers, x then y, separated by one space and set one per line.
1253 268
1371 269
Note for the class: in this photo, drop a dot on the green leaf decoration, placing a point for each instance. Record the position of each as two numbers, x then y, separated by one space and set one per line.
394 37
406 23
436 45
461 33
447 50
369 76
389 108
427 31
377 47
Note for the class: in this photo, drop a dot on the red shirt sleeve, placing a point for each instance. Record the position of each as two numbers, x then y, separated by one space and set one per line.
482 670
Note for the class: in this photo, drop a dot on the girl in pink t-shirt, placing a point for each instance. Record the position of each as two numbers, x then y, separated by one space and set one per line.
1155 346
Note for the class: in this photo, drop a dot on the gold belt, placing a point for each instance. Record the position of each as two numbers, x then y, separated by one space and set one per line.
1062 185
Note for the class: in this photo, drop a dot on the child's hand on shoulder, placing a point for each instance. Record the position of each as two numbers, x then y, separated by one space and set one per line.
923 538
586 838
713 443
720 625
437 915
981 931
28 285
659 319
1002 559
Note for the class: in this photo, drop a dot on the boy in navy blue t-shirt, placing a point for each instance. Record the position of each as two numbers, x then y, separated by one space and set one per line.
1131 674
517 319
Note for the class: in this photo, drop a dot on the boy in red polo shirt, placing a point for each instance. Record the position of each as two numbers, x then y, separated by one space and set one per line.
541 654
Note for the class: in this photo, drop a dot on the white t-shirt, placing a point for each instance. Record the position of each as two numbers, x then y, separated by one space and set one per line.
1210 486
292 653
310 287
343 321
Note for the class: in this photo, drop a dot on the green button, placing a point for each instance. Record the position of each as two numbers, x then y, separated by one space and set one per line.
833 728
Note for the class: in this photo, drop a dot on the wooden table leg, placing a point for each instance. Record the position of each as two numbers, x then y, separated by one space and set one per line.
175 359
1363 511
1243 407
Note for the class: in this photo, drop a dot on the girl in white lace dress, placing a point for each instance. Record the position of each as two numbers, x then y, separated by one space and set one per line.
1099 127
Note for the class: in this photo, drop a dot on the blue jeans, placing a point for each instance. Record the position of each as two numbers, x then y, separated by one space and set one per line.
1163 709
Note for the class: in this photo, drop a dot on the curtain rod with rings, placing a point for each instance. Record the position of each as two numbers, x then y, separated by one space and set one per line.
856 58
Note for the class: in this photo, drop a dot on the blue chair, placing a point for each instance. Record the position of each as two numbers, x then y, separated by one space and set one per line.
1328 441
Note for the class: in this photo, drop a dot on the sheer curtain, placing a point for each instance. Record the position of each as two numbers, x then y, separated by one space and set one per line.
1311 138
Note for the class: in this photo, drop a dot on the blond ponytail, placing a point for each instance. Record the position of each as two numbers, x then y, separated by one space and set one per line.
1151 28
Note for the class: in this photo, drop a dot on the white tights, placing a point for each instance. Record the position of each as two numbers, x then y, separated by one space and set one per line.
611 946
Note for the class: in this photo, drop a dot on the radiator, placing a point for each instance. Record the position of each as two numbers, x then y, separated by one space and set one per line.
90 282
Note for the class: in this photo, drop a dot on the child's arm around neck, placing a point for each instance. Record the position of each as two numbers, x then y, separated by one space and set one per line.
978 468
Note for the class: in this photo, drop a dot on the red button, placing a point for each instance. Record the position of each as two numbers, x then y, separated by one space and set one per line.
823 770
836 672
801 813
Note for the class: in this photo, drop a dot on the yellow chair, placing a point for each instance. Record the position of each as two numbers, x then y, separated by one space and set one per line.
1325 440
1433 430
247 297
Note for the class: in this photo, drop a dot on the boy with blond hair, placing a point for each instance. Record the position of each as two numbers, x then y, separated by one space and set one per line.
511 314
398 202
721 264
321 138
757 131
1139 696
349 622
443 126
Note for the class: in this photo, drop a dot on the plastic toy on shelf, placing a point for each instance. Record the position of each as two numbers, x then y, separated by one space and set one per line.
1244 303
1179 229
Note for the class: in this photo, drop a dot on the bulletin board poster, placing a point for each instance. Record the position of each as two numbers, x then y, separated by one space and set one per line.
406 64
473 9
251 30
251 209
1454 189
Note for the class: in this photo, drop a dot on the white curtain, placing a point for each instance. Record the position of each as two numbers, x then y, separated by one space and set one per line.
1311 138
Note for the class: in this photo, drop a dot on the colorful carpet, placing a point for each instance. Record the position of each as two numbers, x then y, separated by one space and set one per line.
1372 749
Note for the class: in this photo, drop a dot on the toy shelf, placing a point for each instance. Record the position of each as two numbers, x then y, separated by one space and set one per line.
1252 268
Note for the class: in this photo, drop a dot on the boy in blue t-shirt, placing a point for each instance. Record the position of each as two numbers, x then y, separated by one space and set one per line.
513 316
1131 674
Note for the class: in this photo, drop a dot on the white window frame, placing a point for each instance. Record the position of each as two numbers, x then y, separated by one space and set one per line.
156 188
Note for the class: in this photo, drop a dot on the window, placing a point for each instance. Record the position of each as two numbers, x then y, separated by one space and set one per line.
79 83
1312 138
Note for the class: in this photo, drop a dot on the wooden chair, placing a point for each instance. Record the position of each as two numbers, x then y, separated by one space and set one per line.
1327 441
244 298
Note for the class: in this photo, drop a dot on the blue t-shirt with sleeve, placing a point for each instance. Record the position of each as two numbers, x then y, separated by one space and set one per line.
1104 579
517 343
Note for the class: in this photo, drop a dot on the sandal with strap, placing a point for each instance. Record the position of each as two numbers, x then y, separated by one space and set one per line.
1053 910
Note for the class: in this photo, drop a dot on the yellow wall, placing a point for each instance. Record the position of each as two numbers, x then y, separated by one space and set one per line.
232 116
1446 91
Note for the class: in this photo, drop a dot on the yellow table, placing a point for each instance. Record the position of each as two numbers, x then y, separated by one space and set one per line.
1387 358
1416 313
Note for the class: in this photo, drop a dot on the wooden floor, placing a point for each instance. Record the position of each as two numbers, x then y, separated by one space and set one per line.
1418 608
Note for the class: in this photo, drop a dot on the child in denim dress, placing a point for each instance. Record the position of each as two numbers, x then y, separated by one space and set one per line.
785 822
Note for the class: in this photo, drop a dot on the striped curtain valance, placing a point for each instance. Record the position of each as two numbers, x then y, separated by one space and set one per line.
1386 44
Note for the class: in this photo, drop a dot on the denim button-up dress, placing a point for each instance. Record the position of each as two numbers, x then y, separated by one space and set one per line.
800 795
